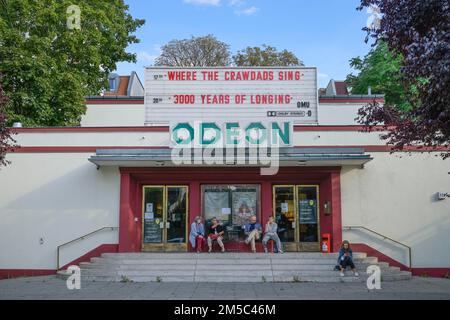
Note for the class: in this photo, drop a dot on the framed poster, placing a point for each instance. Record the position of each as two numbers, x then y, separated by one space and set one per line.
215 199
244 206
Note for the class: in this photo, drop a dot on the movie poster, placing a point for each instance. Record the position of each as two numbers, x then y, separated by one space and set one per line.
244 206
216 202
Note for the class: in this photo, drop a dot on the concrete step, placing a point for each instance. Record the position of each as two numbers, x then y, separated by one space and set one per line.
63 274
230 267
227 255
222 273
138 279
219 268
241 279
155 273
213 262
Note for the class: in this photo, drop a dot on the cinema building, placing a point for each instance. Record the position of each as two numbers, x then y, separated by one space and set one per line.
112 185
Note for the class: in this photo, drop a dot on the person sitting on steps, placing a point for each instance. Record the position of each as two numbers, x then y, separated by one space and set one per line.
271 234
216 232
197 235
346 258
253 232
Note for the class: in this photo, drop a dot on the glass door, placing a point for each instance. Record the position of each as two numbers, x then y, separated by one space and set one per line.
285 216
164 218
297 215
176 218
308 213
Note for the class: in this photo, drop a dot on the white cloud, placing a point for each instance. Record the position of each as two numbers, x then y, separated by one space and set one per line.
323 75
240 10
146 57
236 3
203 2
157 48
247 12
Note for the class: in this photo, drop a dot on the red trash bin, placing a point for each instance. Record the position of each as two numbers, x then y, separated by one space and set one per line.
326 243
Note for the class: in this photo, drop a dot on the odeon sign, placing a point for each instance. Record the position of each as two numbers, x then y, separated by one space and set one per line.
231 134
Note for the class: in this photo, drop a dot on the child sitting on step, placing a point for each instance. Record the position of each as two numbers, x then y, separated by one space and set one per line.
346 258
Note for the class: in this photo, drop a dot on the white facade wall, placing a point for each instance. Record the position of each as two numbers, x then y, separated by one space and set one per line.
395 195
162 139
331 114
61 196
94 139
113 115
57 197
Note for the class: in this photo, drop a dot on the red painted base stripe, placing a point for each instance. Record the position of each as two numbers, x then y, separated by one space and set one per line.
90 129
431 272
97 252
16 273
360 247
425 271
87 149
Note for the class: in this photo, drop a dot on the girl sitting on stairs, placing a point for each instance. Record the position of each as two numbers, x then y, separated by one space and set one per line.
346 258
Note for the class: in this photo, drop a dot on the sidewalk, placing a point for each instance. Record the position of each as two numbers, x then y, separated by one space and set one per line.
51 287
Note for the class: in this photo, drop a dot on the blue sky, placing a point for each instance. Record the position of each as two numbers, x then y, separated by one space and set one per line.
322 33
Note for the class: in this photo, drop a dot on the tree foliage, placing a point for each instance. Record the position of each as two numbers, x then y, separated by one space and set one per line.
419 32
265 56
7 143
194 52
208 51
380 70
49 68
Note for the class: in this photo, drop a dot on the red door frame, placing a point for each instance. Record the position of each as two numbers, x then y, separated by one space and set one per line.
132 180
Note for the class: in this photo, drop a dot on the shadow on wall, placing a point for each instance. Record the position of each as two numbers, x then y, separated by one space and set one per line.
429 244
387 247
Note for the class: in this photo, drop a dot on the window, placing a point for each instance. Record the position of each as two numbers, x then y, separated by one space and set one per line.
233 205
112 84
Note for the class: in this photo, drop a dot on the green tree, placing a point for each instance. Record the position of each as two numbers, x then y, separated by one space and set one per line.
418 31
265 56
7 143
50 65
380 70
204 51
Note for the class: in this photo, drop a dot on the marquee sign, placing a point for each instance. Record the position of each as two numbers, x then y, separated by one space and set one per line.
230 94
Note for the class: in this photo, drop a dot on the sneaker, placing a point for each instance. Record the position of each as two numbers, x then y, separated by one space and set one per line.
254 251
280 251
265 250
223 250
356 274
342 274
209 250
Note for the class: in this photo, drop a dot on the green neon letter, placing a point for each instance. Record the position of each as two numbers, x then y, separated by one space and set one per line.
232 137
180 140
206 126
284 136
259 128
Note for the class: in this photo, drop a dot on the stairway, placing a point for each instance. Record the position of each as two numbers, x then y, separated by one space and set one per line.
229 267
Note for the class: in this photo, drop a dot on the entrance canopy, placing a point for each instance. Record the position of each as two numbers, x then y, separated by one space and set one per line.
162 157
